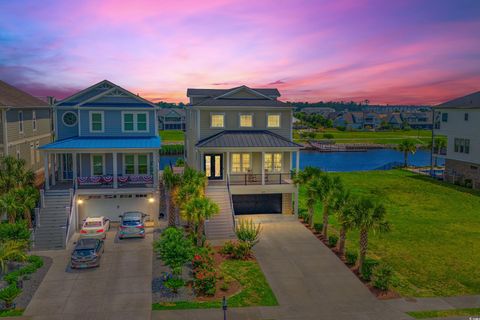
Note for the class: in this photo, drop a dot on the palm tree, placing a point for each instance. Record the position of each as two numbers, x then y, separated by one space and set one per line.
192 185
201 209
407 146
171 181
14 175
368 216
304 178
27 199
326 189
344 213
11 250
9 204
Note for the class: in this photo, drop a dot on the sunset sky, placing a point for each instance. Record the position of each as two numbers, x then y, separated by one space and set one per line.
396 52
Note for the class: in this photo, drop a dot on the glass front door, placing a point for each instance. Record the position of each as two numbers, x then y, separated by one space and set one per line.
213 166
67 165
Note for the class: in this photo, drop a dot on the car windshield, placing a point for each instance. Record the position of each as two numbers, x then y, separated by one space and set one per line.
131 222
92 224
84 252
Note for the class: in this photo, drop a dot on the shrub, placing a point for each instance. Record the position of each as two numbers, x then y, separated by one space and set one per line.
382 277
367 268
241 251
180 162
203 258
8 295
174 249
36 261
15 231
351 257
318 227
224 286
328 136
204 282
303 214
174 283
341 128
332 240
249 232
228 248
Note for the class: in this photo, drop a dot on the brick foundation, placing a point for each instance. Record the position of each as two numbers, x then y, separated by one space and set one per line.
461 172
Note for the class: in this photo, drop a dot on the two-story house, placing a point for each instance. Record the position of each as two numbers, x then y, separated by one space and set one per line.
104 160
459 121
25 125
242 139
171 119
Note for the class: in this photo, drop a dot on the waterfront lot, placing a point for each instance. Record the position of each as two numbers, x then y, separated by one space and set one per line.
433 245
171 136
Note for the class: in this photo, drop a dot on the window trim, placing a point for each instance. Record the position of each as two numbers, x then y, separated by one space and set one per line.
217 114
20 122
273 161
241 162
90 115
135 121
279 119
465 116
34 120
91 164
240 114
135 164
70 125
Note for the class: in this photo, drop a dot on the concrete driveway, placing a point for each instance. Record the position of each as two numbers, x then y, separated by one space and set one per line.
119 289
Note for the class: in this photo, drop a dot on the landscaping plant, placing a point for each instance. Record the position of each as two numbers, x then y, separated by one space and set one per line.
174 249
14 231
8 295
247 231
174 283
304 177
367 269
332 240
318 227
382 277
201 209
11 250
204 273
344 213
407 146
171 181
351 257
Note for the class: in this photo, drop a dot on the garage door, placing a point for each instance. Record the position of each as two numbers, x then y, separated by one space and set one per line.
257 203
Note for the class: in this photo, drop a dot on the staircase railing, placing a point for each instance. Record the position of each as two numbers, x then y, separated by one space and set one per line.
71 211
231 201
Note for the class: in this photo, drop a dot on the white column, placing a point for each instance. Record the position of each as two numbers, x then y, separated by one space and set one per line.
74 169
297 167
54 156
46 171
115 173
295 208
155 168
228 165
263 168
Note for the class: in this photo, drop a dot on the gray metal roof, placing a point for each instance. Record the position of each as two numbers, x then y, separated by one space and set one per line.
245 139
241 103
471 101
219 92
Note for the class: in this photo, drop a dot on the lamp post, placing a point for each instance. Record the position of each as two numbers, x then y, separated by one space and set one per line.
224 307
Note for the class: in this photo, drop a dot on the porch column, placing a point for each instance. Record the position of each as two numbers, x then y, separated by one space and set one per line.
155 168
297 167
74 169
228 166
54 156
263 168
46 171
114 159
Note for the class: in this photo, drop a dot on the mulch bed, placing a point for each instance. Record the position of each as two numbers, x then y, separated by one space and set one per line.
380 294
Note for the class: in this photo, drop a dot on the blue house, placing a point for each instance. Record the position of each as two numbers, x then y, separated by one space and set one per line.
104 160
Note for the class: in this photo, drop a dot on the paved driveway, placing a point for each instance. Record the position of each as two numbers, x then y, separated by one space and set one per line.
119 289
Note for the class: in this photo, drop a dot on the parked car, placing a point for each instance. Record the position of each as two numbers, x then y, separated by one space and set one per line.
132 225
96 227
87 253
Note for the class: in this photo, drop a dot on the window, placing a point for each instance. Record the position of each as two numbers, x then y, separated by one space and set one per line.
96 121
69 118
142 164
241 162
465 117
129 164
134 121
462 145
20 121
273 121
217 120
246 120
34 120
97 165
136 164
18 154
444 117
273 162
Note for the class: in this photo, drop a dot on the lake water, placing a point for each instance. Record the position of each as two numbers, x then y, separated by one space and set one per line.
347 161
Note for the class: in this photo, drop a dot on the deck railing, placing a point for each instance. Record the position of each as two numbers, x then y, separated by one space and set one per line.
247 179
107 181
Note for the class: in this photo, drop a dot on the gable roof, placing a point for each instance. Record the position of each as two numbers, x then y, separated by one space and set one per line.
165 111
11 96
211 93
242 103
471 101
246 139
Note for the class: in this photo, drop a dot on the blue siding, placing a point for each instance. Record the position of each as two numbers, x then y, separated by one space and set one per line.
86 169
113 124
63 131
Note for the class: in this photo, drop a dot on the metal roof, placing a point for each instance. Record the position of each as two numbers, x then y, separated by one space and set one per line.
242 103
471 101
104 143
245 139
219 92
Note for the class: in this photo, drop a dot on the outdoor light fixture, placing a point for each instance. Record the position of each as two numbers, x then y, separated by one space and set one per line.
151 200
80 201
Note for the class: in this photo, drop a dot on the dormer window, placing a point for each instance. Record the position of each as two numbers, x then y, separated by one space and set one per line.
246 120
134 121
96 121
217 120
273 120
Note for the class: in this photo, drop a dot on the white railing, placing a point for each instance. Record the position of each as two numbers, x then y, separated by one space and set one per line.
42 198
231 201
71 213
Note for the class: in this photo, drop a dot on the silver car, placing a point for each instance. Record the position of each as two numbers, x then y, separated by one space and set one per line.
132 225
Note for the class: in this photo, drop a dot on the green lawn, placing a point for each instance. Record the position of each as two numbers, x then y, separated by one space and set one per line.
172 135
255 292
445 313
379 137
434 244
11 313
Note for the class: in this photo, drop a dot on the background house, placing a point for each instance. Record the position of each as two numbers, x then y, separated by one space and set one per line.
171 119
25 125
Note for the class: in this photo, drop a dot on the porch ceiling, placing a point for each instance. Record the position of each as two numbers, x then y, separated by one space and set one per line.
92 143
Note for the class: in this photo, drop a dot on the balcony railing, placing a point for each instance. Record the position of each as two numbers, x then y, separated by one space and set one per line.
247 179
144 180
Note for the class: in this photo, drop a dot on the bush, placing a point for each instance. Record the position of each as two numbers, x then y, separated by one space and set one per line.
205 282
241 251
303 214
382 277
328 136
174 249
8 295
247 231
351 257
174 283
341 128
332 240
203 258
228 248
224 286
367 268
180 162
318 227
15 231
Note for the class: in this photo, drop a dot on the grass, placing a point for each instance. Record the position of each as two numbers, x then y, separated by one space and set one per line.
255 289
11 313
433 245
445 313
172 136
375 137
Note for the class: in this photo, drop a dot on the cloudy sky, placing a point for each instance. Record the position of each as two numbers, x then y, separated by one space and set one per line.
396 52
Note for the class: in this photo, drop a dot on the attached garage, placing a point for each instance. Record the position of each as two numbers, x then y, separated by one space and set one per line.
257 203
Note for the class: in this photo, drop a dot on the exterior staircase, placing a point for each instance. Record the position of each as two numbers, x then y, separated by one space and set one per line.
50 233
220 226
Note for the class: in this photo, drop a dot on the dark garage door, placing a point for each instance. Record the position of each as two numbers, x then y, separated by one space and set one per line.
257 203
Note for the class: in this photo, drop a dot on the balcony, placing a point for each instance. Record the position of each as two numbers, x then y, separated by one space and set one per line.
246 179
130 181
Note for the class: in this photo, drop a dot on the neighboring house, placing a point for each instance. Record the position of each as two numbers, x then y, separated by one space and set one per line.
105 156
459 121
171 119
418 120
323 111
349 120
242 139
395 120
25 124
371 120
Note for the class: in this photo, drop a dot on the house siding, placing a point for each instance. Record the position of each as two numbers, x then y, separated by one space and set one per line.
43 123
63 131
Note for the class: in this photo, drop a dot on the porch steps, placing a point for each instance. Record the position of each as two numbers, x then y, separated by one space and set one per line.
50 234
221 226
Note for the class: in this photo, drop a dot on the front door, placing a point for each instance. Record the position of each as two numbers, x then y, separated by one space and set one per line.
213 166
67 165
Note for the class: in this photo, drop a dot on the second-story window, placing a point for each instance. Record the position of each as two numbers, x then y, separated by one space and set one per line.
465 117
134 121
20 121
462 145
246 120
217 120
96 121
444 117
273 120
34 120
